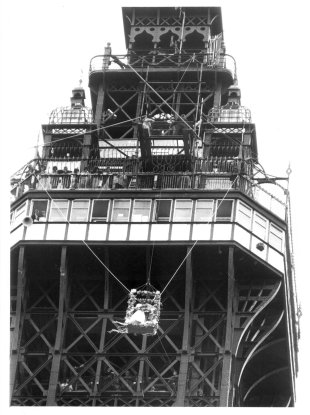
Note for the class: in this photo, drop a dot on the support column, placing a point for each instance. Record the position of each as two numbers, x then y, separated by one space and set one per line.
207 144
47 145
186 350
87 142
139 111
226 382
20 315
139 392
104 325
62 317
99 105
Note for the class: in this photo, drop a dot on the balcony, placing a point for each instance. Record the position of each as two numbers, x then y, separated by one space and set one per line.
233 114
118 181
77 114
164 59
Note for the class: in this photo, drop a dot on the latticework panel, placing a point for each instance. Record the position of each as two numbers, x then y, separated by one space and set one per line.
69 354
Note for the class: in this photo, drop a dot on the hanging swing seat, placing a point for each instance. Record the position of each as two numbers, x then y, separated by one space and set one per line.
142 314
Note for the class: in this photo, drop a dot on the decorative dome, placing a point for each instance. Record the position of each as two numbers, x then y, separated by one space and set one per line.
71 115
76 114
232 112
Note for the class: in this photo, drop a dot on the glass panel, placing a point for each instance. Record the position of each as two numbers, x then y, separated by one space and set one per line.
121 210
163 208
222 231
259 226
39 210
275 237
97 232
204 210
118 232
244 215
183 210
224 209
139 232
100 210
79 210
59 211
56 231
141 211
77 231
20 213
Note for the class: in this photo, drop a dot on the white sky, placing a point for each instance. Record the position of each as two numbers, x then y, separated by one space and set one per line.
46 43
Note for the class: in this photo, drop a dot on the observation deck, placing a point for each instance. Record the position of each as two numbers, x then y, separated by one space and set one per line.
114 67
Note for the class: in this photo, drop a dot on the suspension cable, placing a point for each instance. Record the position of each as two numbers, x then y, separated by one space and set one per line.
83 240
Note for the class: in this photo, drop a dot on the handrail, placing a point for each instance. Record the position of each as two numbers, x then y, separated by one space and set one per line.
105 62
208 181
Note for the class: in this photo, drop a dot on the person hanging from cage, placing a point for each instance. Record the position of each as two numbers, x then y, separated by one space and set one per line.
142 313
138 317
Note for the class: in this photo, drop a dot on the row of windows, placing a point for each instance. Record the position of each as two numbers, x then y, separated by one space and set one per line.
121 210
259 225
145 210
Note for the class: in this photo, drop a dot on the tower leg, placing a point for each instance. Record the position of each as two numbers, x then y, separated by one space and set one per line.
63 298
225 393
104 325
182 379
20 313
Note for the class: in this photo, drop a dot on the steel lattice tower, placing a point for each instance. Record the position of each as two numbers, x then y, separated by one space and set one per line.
164 185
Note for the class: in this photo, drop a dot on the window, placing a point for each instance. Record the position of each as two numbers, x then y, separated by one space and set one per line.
39 210
59 210
100 210
12 217
259 226
162 211
224 210
120 210
141 211
182 210
20 213
275 237
244 215
79 210
204 210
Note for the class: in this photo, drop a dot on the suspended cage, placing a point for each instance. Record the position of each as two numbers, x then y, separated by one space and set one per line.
143 311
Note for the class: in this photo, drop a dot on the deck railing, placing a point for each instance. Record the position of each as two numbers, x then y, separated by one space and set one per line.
153 181
162 59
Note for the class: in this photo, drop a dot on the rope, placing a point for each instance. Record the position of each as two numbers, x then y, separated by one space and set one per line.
194 244
150 266
198 96
144 90
104 265
159 338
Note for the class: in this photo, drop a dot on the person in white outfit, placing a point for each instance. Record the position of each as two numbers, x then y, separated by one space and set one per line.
138 317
